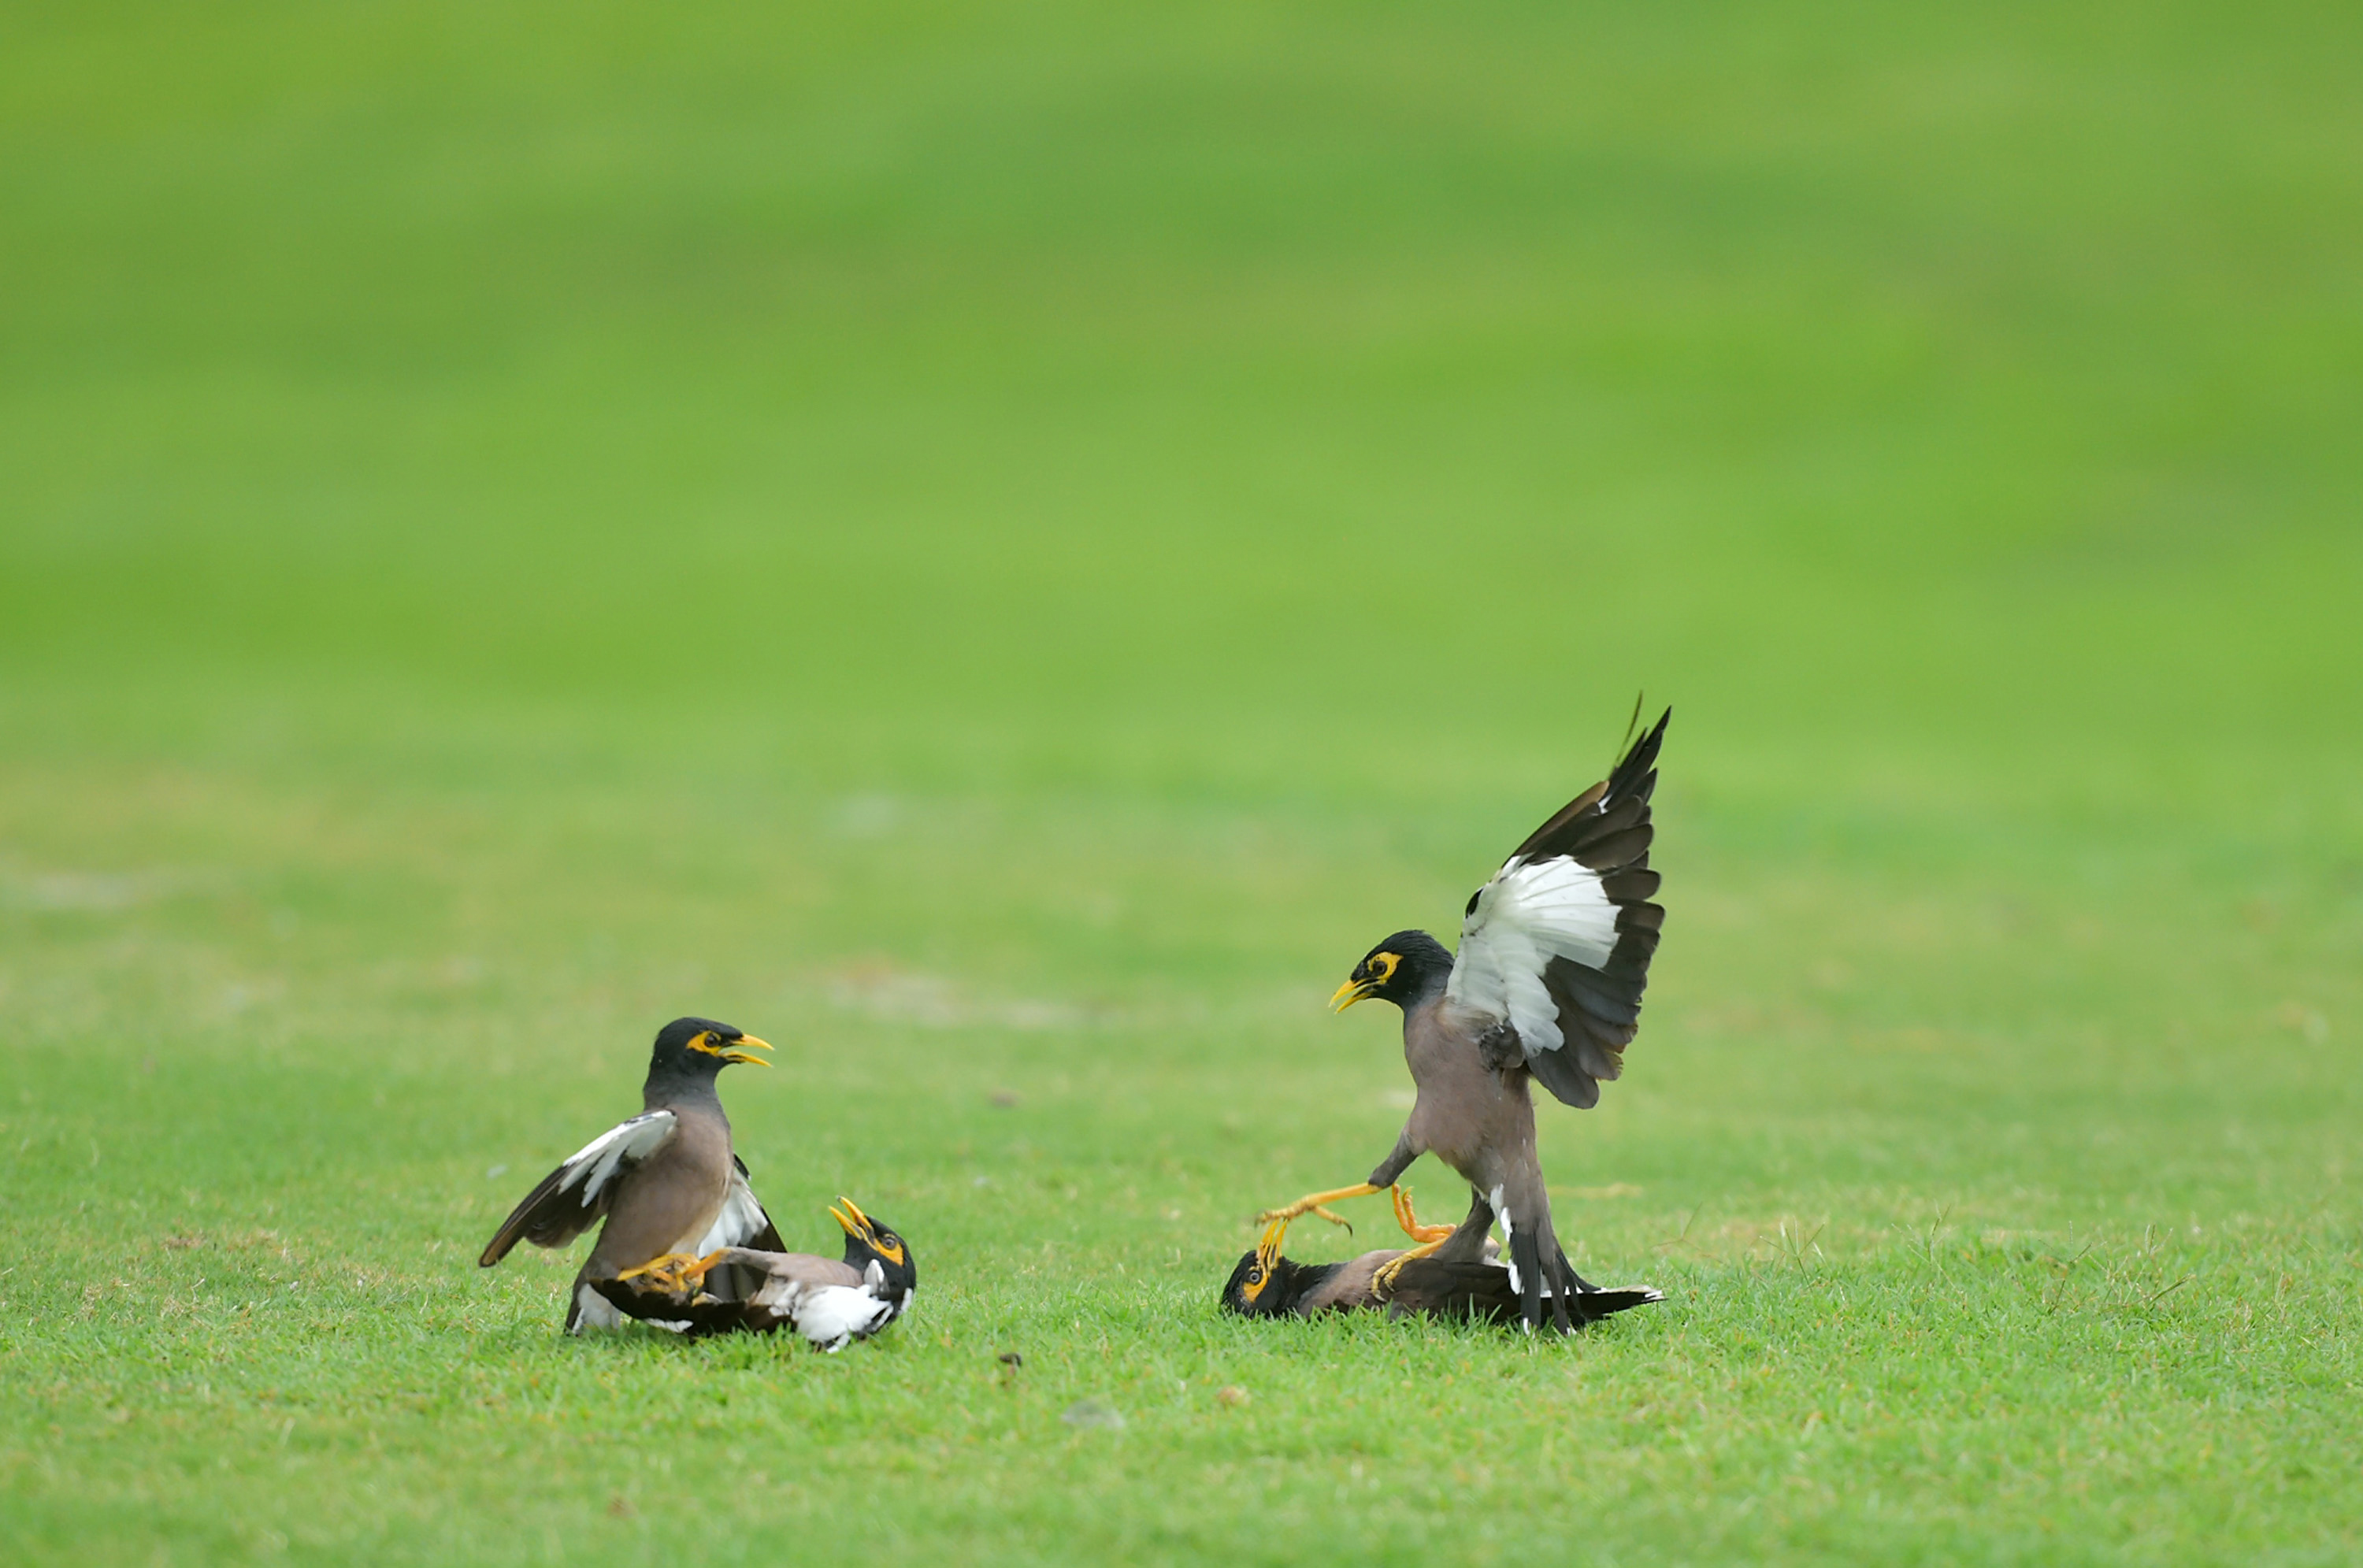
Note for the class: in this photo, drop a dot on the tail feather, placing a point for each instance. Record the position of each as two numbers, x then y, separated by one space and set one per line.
1527 1274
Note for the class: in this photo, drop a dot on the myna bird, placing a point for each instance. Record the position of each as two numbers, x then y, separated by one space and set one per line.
830 1302
666 1182
1267 1285
1554 953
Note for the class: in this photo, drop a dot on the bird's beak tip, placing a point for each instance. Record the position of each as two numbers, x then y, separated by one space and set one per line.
1347 994
742 1045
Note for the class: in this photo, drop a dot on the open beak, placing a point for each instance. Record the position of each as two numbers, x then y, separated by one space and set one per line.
1348 994
850 1217
739 1047
1268 1244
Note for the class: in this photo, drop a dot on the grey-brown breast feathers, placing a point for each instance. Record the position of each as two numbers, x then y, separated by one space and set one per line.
1557 946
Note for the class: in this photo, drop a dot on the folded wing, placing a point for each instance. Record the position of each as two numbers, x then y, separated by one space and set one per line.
741 1224
1557 946
577 1195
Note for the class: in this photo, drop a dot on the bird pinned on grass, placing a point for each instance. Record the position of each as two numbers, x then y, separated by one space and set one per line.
1554 952
830 1302
1267 1285
666 1182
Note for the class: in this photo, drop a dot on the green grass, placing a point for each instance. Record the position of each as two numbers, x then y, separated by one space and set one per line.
1000 549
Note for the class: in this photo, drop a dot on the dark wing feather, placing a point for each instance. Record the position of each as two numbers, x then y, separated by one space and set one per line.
1575 824
1484 1291
1592 980
1590 1306
767 1239
693 1316
574 1197
1445 1289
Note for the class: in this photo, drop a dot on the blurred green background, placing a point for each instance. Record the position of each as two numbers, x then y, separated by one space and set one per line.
1000 548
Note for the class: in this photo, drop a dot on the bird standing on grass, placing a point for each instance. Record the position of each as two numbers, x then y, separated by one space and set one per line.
666 1181
830 1302
1554 953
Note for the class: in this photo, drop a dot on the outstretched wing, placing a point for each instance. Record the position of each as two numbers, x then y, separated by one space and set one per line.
1557 946
572 1198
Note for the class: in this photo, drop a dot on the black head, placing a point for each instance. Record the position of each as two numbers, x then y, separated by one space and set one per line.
699 1047
1405 970
1266 1285
869 1241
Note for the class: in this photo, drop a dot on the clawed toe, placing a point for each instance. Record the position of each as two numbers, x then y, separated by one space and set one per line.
674 1272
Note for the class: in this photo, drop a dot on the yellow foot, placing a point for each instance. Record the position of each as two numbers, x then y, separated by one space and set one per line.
1316 1204
1410 1222
674 1272
1382 1280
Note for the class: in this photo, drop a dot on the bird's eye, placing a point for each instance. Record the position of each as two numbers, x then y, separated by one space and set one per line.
1253 1275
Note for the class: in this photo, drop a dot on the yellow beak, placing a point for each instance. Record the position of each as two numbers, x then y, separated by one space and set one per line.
738 1048
1268 1244
850 1219
1348 994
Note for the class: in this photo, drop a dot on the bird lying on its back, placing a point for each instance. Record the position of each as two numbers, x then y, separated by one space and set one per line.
1439 1288
830 1302
1266 1285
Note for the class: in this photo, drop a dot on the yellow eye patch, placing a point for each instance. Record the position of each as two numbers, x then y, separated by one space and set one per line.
1382 966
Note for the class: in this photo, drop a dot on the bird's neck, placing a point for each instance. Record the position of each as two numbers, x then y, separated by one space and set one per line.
1419 1008
671 1091
1296 1281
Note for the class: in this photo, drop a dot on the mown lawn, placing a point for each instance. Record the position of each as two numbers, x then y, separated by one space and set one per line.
1000 549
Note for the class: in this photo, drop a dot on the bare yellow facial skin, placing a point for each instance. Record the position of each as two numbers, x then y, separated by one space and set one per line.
731 1050
1267 1254
854 1222
1369 977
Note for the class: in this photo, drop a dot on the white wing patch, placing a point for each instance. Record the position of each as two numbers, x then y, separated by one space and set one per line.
832 1316
595 1165
741 1220
829 1316
592 1310
1528 915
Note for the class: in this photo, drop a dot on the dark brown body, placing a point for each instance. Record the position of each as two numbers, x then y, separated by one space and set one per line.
664 1182
1477 1119
670 1205
1436 1285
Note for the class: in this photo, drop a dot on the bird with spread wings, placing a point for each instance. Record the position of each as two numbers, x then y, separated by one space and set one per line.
1546 989
666 1183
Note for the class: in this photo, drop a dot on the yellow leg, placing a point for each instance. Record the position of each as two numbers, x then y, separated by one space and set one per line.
1382 1282
675 1272
1318 1204
1409 1221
